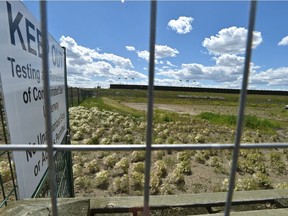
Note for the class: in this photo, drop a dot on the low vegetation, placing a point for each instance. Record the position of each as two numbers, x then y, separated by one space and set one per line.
107 121
251 121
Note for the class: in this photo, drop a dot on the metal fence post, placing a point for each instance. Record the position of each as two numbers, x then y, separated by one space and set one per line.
78 95
12 175
47 105
71 98
149 132
68 141
241 111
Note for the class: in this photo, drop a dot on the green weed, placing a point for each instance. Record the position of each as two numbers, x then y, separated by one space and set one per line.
251 121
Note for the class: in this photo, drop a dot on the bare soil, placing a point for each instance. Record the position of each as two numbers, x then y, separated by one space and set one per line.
197 109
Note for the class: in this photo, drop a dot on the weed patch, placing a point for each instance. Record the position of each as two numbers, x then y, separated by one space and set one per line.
251 121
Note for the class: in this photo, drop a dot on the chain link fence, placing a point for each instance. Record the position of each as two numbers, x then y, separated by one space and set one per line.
77 95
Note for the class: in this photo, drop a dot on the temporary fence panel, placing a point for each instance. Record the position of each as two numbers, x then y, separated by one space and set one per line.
25 99
149 147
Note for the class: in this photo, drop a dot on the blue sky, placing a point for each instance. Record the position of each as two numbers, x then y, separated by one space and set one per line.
201 43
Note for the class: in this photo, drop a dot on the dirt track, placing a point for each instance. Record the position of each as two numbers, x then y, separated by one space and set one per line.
261 112
184 108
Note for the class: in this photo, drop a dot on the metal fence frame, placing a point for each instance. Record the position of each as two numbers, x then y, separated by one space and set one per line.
77 95
149 147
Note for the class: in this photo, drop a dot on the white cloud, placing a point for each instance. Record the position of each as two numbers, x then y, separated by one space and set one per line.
227 68
130 48
80 81
227 73
87 65
161 51
229 60
143 54
230 41
272 77
83 55
283 42
170 64
182 25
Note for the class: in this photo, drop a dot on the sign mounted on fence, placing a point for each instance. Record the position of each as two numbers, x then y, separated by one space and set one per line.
22 91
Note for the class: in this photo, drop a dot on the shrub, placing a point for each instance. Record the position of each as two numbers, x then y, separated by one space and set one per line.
177 177
158 141
246 184
82 181
251 162
184 156
105 141
225 185
116 138
138 156
199 138
123 164
170 140
138 167
110 160
78 159
277 162
102 179
257 181
160 169
128 138
201 156
85 128
77 170
127 130
166 189
283 185
78 136
155 183
121 184
263 180
184 167
92 167
94 140
159 154
5 171
99 132
214 161
285 152
137 180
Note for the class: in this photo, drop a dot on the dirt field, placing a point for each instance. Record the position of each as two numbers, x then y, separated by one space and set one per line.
184 108
185 171
197 109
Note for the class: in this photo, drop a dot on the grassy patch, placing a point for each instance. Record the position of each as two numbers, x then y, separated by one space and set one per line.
161 116
251 121
254 122
217 118
93 102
